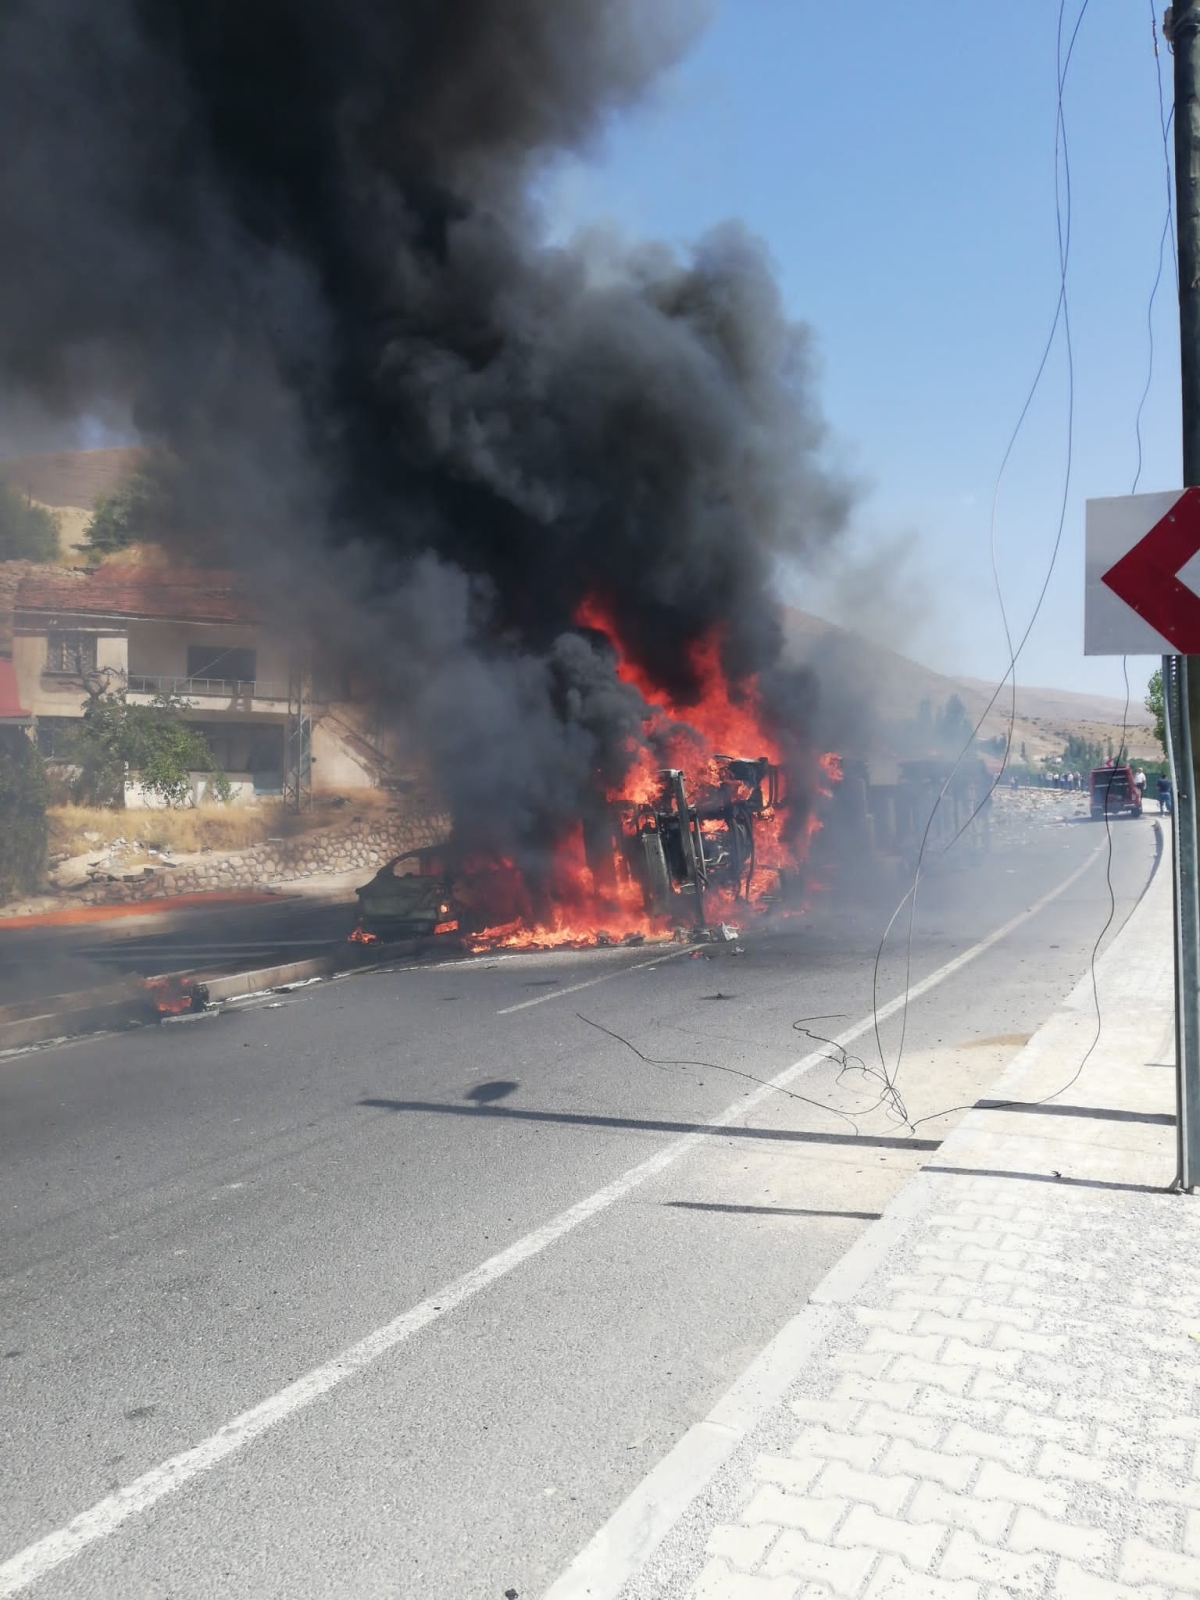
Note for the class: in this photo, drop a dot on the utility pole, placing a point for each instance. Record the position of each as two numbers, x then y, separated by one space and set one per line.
297 738
1181 26
1177 726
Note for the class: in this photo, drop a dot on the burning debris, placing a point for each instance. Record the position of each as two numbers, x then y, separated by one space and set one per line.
175 996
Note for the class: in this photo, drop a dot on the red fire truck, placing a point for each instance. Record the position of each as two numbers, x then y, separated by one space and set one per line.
1113 792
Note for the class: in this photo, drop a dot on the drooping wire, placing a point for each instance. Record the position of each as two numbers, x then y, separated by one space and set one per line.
1062 201
1112 904
1168 231
888 1094
714 1066
1001 1105
1165 119
1162 239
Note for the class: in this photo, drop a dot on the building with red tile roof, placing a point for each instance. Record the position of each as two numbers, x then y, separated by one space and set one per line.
200 638
168 594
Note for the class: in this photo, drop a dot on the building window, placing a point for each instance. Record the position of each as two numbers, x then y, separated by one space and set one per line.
251 747
72 654
56 737
219 664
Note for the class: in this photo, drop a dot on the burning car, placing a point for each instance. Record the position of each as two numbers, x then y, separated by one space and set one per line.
430 891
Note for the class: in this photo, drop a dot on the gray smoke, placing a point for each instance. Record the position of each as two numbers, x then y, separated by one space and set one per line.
295 243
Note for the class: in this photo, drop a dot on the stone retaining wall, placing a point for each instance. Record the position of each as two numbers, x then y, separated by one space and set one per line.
361 846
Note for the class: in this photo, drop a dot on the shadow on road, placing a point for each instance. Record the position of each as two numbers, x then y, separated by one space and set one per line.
590 1120
484 1094
1050 1108
770 1211
1048 1177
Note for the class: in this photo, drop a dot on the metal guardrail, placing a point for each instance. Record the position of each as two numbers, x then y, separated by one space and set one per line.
216 688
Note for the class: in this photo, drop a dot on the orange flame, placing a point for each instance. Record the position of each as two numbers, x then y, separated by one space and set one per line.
690 737
172 996
361 936
724 721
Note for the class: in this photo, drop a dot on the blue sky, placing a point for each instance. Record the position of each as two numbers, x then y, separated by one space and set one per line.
899 163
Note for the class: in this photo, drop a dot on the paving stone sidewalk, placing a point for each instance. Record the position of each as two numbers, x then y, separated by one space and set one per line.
1005 1400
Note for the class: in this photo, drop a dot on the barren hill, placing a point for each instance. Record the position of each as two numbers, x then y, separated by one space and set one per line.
69 482
69 477
894 687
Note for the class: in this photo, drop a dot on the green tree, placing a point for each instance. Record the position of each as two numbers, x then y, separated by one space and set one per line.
154 741
27 532
1156 707
954 724
1082 754
136 511
23 794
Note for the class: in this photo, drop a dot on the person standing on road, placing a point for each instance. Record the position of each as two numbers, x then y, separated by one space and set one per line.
1139 778
1163 790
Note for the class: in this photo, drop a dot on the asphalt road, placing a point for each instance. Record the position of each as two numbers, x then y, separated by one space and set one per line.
398 1286
36 962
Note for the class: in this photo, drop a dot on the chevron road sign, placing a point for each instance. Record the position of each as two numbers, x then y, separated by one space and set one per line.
1142 580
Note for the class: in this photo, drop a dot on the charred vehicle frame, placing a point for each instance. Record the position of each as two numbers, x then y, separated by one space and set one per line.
674 848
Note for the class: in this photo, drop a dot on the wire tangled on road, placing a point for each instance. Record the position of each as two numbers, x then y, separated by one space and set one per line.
888 1074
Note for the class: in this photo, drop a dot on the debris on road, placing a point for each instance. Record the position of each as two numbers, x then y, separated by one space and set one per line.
171 1019
176 996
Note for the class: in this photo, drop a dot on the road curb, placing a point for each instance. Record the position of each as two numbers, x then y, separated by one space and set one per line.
72 1015
627 1542
125 1005
242 985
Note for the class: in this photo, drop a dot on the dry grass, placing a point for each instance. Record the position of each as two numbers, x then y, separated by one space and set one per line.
218 827
192 828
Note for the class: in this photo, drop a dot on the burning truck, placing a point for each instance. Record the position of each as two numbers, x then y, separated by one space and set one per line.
647 866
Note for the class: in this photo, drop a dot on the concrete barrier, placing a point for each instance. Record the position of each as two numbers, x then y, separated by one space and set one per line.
125 1004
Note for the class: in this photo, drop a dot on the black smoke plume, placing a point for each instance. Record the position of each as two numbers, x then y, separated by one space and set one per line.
296 243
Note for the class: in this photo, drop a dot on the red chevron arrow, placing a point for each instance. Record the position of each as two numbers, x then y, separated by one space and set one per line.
1146 577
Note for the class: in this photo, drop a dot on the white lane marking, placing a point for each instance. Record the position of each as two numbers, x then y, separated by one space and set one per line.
490 960
102 1519
588 983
